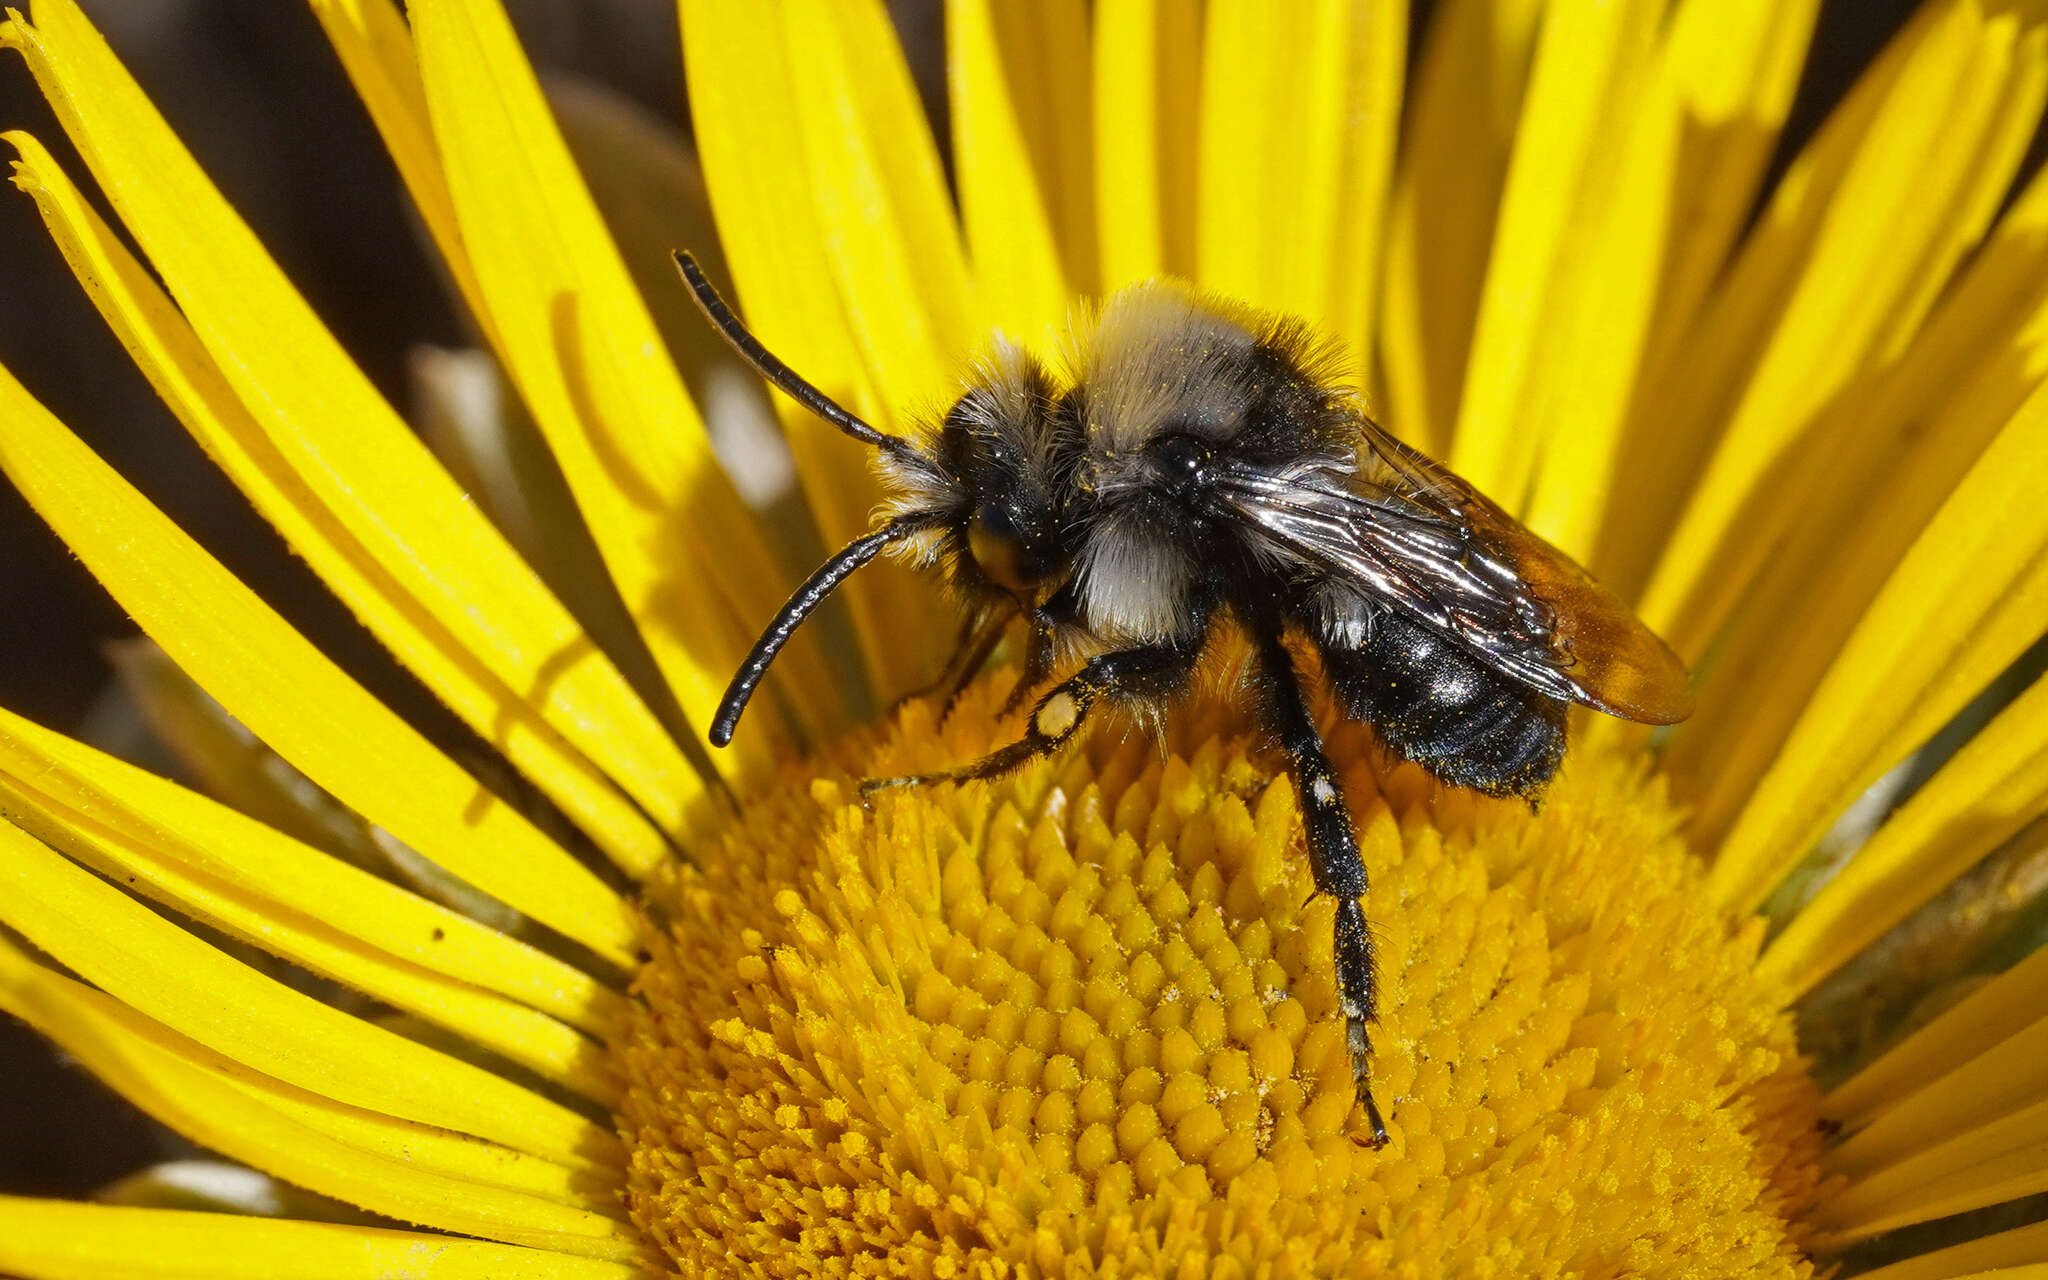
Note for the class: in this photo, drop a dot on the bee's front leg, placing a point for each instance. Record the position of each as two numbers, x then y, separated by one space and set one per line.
1149 673
980 633
1037 659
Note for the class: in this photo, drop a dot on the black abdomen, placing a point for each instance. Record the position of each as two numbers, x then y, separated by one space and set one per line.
1433 702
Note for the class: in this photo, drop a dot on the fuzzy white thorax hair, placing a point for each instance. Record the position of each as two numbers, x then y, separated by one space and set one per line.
1158 354
1134 581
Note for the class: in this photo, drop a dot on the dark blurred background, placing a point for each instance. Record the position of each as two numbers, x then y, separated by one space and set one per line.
253 89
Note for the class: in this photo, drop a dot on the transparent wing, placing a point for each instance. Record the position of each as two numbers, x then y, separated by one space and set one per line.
1410 533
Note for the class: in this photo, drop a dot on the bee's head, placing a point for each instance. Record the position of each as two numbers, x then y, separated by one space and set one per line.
982 497
995 477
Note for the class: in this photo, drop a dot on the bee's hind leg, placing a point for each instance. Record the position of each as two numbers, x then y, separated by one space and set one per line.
1144 674
1333 858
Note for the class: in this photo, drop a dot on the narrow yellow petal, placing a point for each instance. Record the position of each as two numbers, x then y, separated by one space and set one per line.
1926 179
1301 106
1734 69
223 760
1004 195
375 48
1994 787
552 1050
291 695
895 247
871 203
577 341
1658 210
159 969
1975 1025
1460 134
219 842
1591 62
1996 1162
484 675
1147 98
738 75
1901 441
1977 1091
1689 394
424 554
1931 641
1048 51
59 1240
2005 1254
212 1108
111 1039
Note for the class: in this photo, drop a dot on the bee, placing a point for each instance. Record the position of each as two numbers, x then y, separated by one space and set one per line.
1202 462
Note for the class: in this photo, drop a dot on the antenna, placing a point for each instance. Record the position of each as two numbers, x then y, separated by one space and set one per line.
768 366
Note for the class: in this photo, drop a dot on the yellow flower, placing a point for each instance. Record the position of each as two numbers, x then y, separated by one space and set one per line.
1083 1019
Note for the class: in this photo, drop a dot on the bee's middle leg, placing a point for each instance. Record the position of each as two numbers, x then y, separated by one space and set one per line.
1333 858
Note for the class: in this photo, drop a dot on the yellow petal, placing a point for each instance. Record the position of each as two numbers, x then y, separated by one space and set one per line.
551 1049
1969 596
160 970
1923 184
1004 193
739 70
1994 787
1147 98
1679 413
220 842
1975 1025
2018 1254
895 247
212 1107
107 1036
579 723
1657 210
1980 1090
58 1240
1996 1162
1733 70
1916 430
1591 62
1459 137
736 71
375 47
222 759
1048 51
1301 105
577 341
291 695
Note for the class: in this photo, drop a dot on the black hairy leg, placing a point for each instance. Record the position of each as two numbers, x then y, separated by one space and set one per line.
1435 702
979 636
1135 676
1037 656
1333 858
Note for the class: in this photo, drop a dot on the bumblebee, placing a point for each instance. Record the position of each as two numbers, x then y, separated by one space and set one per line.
1200 463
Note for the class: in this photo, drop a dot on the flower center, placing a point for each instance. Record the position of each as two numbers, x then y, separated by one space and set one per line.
1088 1014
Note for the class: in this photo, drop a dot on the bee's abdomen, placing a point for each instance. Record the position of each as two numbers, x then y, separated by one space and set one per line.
1434 702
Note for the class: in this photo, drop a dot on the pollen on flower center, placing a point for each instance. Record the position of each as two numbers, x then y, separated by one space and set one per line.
1088 1015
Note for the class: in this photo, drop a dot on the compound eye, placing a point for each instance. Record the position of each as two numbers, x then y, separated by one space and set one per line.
1180 460
998 548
